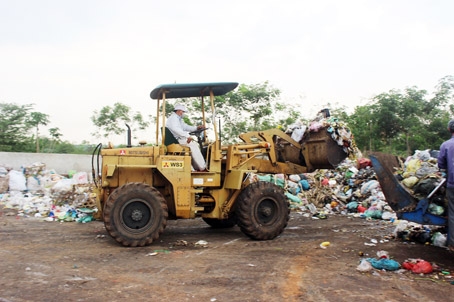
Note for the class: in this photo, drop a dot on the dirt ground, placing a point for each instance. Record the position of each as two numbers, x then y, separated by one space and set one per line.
71 261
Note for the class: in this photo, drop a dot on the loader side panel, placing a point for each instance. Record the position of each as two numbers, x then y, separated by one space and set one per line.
118 174
121 166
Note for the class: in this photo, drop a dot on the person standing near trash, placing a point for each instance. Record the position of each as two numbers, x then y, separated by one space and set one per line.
446 164
181 130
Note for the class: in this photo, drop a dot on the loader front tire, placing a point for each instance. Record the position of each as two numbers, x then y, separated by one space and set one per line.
263 211
135 214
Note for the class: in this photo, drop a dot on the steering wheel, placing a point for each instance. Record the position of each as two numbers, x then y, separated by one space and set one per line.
200 137
198 131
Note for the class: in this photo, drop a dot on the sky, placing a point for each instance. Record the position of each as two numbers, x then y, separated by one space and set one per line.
71 58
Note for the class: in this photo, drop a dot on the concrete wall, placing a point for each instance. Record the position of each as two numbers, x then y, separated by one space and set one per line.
61 163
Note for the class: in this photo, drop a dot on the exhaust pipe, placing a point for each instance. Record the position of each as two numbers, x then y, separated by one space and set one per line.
129 137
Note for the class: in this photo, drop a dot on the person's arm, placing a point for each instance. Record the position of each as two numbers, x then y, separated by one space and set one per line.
189 128
441 160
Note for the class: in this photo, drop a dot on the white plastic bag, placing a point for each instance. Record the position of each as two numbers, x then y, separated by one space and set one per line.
298 134
364 266
369 186
17 181
63 186
33 184
294 177
438 239
80 178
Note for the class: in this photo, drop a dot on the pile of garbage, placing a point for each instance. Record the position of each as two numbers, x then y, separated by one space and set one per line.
40 192
420 175
352 192
415 232
346 190
351 189
337 130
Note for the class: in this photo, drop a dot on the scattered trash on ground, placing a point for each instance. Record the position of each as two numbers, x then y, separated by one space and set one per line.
325 244
429 271
418 266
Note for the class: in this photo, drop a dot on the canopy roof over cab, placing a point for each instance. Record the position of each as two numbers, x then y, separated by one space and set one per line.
173 91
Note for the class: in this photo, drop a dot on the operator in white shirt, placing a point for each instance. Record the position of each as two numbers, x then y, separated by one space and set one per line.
181 130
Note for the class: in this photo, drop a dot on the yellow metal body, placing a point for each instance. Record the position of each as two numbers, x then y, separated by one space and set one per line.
210 194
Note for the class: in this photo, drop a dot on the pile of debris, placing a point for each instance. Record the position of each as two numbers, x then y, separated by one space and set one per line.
420 175
353 188
337 130
37 191
345 190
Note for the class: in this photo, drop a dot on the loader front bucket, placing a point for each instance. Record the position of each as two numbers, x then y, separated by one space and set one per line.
324 152
399 199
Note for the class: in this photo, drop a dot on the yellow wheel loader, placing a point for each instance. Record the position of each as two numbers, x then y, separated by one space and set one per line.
139 188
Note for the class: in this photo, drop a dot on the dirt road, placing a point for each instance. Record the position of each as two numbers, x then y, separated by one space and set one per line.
70 261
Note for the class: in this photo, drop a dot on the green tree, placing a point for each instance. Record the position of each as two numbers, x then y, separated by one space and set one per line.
35 119
363 128
444 95
441 108
55 135
111 120
14 127
251 108
411 105
290 116
404 121
386 118
248 108
65 148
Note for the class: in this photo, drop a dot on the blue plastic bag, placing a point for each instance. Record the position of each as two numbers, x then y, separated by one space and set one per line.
304 184
384 263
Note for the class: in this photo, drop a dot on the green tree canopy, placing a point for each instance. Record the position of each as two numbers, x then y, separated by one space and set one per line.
248 108
401 122
34 120
14 127
55 138
111 120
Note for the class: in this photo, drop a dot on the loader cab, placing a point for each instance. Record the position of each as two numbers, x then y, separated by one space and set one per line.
202 91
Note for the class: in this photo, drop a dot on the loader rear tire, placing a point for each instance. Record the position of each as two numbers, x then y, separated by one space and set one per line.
135 214
263 211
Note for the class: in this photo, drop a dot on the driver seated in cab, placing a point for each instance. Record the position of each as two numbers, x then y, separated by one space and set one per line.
180 130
